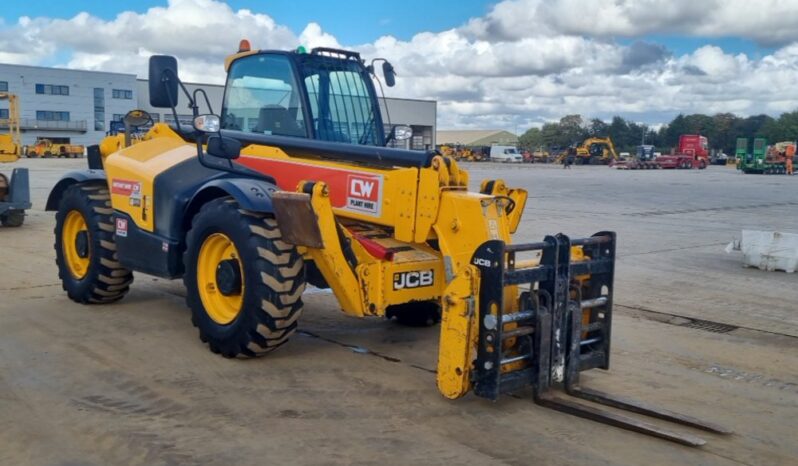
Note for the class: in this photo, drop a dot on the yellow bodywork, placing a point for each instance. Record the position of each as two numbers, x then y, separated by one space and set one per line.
133 169
458 221
426 218
10 143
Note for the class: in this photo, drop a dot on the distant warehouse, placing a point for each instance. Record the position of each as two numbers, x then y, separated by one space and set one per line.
77 106
475 138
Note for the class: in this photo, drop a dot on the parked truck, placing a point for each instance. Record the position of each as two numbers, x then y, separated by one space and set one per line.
45 148
692 152
767 160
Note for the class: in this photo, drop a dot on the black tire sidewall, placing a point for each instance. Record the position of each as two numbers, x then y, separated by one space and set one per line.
73 199
224 218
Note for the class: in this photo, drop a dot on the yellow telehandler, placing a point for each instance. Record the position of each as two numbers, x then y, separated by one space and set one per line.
292 183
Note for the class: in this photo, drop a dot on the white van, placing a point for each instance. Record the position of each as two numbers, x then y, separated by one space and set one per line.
505 154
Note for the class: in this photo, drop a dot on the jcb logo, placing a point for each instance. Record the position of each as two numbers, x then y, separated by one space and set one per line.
478 261
415 279
361 188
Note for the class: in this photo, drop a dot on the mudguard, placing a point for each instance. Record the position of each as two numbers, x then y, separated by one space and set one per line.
77 176
251 194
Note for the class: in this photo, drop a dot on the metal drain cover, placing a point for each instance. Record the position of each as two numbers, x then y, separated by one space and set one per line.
709 326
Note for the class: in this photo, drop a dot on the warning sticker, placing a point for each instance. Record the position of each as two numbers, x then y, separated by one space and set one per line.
364 193
121 227
125 187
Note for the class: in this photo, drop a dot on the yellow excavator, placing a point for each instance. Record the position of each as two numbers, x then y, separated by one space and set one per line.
291 183
591 151
14 191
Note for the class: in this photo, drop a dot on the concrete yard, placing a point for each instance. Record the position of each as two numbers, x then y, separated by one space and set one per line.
130 383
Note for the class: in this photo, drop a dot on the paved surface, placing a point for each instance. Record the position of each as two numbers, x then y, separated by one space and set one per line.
130 383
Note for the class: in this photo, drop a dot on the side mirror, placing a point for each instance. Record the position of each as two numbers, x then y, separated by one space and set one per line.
163 81
389 73
207 123
224 147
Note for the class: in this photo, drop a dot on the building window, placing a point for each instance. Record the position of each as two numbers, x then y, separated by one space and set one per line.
52 89
3 86
122 94
47 115
3 114
99 109
417 143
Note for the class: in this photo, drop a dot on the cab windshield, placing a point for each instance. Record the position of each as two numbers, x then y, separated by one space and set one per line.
262 96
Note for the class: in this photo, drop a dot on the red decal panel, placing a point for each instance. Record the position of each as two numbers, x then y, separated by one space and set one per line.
125 187
352 190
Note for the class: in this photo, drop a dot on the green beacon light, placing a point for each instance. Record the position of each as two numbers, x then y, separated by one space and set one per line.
301 49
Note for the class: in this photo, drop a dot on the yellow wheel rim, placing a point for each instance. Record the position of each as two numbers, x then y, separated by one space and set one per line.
222 308
77 260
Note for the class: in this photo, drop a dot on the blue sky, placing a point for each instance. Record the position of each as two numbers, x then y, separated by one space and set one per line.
357 21
352 21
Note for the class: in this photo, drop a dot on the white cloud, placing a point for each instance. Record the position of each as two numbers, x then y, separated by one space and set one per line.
523 63
769 22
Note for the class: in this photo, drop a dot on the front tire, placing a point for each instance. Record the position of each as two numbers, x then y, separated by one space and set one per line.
85 251
243 283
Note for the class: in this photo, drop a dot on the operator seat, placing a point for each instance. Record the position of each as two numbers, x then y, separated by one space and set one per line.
277 120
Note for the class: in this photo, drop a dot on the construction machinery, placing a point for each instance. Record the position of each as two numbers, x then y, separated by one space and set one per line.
692 152
14 191
591 151
644 159
45 148
461 153
764 159
10 143
291 185
539 155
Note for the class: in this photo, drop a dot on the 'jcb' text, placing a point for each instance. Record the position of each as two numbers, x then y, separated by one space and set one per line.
405 280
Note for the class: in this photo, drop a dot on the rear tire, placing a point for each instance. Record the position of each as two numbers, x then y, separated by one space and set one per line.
13 218
259 312
94 275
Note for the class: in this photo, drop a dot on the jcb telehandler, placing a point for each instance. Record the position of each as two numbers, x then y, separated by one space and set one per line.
293 184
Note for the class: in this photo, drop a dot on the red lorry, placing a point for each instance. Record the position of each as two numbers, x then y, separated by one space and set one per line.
693 152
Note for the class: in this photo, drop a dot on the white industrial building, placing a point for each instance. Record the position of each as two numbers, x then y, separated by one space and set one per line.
77 106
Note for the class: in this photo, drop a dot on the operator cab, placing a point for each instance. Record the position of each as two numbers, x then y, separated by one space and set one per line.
321 104
326 95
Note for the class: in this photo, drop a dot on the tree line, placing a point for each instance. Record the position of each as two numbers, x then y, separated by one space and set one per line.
722 131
